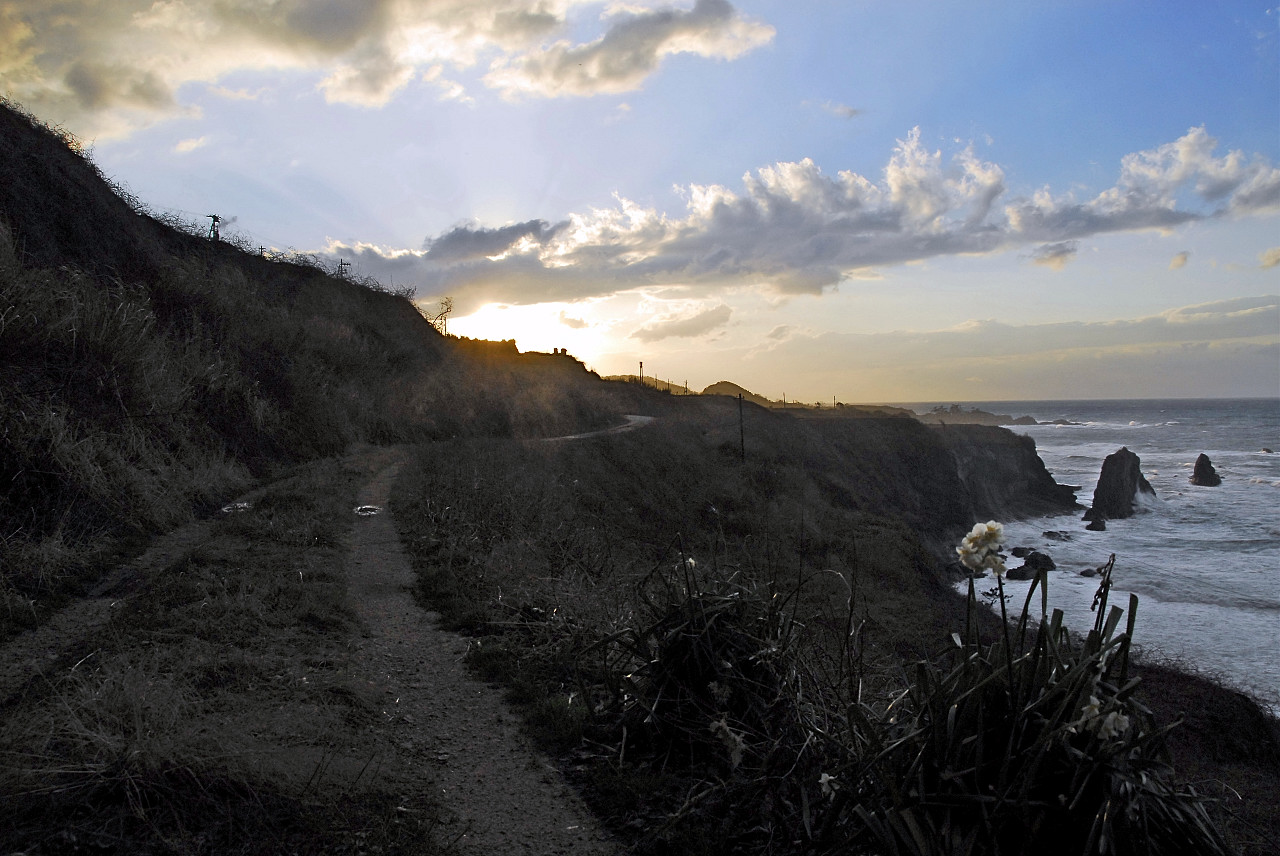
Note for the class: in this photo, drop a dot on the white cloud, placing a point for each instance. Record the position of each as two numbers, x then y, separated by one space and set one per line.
573 323
689 326
790 228
190 144
1151 186
1056 255
844 111
1179 260
630 50
105 69
1269 258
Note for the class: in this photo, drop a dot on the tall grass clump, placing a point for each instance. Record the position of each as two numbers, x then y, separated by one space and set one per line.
1033 740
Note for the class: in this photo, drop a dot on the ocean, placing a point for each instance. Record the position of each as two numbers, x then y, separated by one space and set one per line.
1203 561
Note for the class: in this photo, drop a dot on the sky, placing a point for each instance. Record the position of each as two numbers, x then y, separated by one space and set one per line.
823 200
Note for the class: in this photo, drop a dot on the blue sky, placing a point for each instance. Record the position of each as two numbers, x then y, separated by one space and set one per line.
871 201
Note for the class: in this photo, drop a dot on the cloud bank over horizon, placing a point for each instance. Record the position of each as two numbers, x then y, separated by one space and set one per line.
107 69
1228 348
793 230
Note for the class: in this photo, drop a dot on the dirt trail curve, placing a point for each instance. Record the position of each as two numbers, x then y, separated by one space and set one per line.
504 797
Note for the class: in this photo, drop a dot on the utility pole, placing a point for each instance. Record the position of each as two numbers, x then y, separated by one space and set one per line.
642 372
343 264
213 227
742 434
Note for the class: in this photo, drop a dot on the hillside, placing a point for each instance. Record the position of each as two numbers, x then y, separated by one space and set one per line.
206 651
150 372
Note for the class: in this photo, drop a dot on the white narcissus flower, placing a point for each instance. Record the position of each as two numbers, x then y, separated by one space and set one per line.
1114 724
980 549
1109 726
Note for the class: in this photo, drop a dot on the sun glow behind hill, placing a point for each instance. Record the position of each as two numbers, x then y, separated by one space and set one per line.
539 327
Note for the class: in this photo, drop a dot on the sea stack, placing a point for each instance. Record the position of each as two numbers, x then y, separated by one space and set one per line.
1118 486
1204 474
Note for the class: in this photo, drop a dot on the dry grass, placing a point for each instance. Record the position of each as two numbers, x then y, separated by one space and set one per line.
216 713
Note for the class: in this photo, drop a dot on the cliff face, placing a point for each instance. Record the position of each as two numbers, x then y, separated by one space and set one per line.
1002 473
938 480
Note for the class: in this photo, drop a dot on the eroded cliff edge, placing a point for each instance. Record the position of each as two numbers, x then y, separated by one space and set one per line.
937 479
1003 474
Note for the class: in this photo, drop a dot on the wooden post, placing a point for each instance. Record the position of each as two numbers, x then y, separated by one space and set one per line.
742 436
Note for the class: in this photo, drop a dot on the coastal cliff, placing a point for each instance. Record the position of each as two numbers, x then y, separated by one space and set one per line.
1003 475
939 480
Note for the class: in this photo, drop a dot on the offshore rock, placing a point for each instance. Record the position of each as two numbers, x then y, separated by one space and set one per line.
1032 565
1119 485
1204 474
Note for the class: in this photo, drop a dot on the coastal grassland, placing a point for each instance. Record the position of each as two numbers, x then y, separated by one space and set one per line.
738 657
133 406
216 713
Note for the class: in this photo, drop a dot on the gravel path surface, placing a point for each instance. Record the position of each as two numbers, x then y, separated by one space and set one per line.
500 796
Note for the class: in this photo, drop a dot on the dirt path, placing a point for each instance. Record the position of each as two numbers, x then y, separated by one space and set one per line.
632 423
500 795
443 735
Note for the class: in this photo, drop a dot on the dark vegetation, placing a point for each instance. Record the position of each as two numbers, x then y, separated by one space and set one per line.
757 657
731 653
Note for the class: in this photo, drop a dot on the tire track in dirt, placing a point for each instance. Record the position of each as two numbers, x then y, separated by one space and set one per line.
498 793
40 654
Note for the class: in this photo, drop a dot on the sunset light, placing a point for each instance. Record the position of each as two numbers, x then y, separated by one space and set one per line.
781 192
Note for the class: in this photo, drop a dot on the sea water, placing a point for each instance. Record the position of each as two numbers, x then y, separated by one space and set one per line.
1203 561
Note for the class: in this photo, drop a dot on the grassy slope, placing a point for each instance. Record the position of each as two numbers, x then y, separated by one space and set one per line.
150 374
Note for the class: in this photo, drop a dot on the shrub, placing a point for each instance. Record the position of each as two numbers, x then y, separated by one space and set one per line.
1034 740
